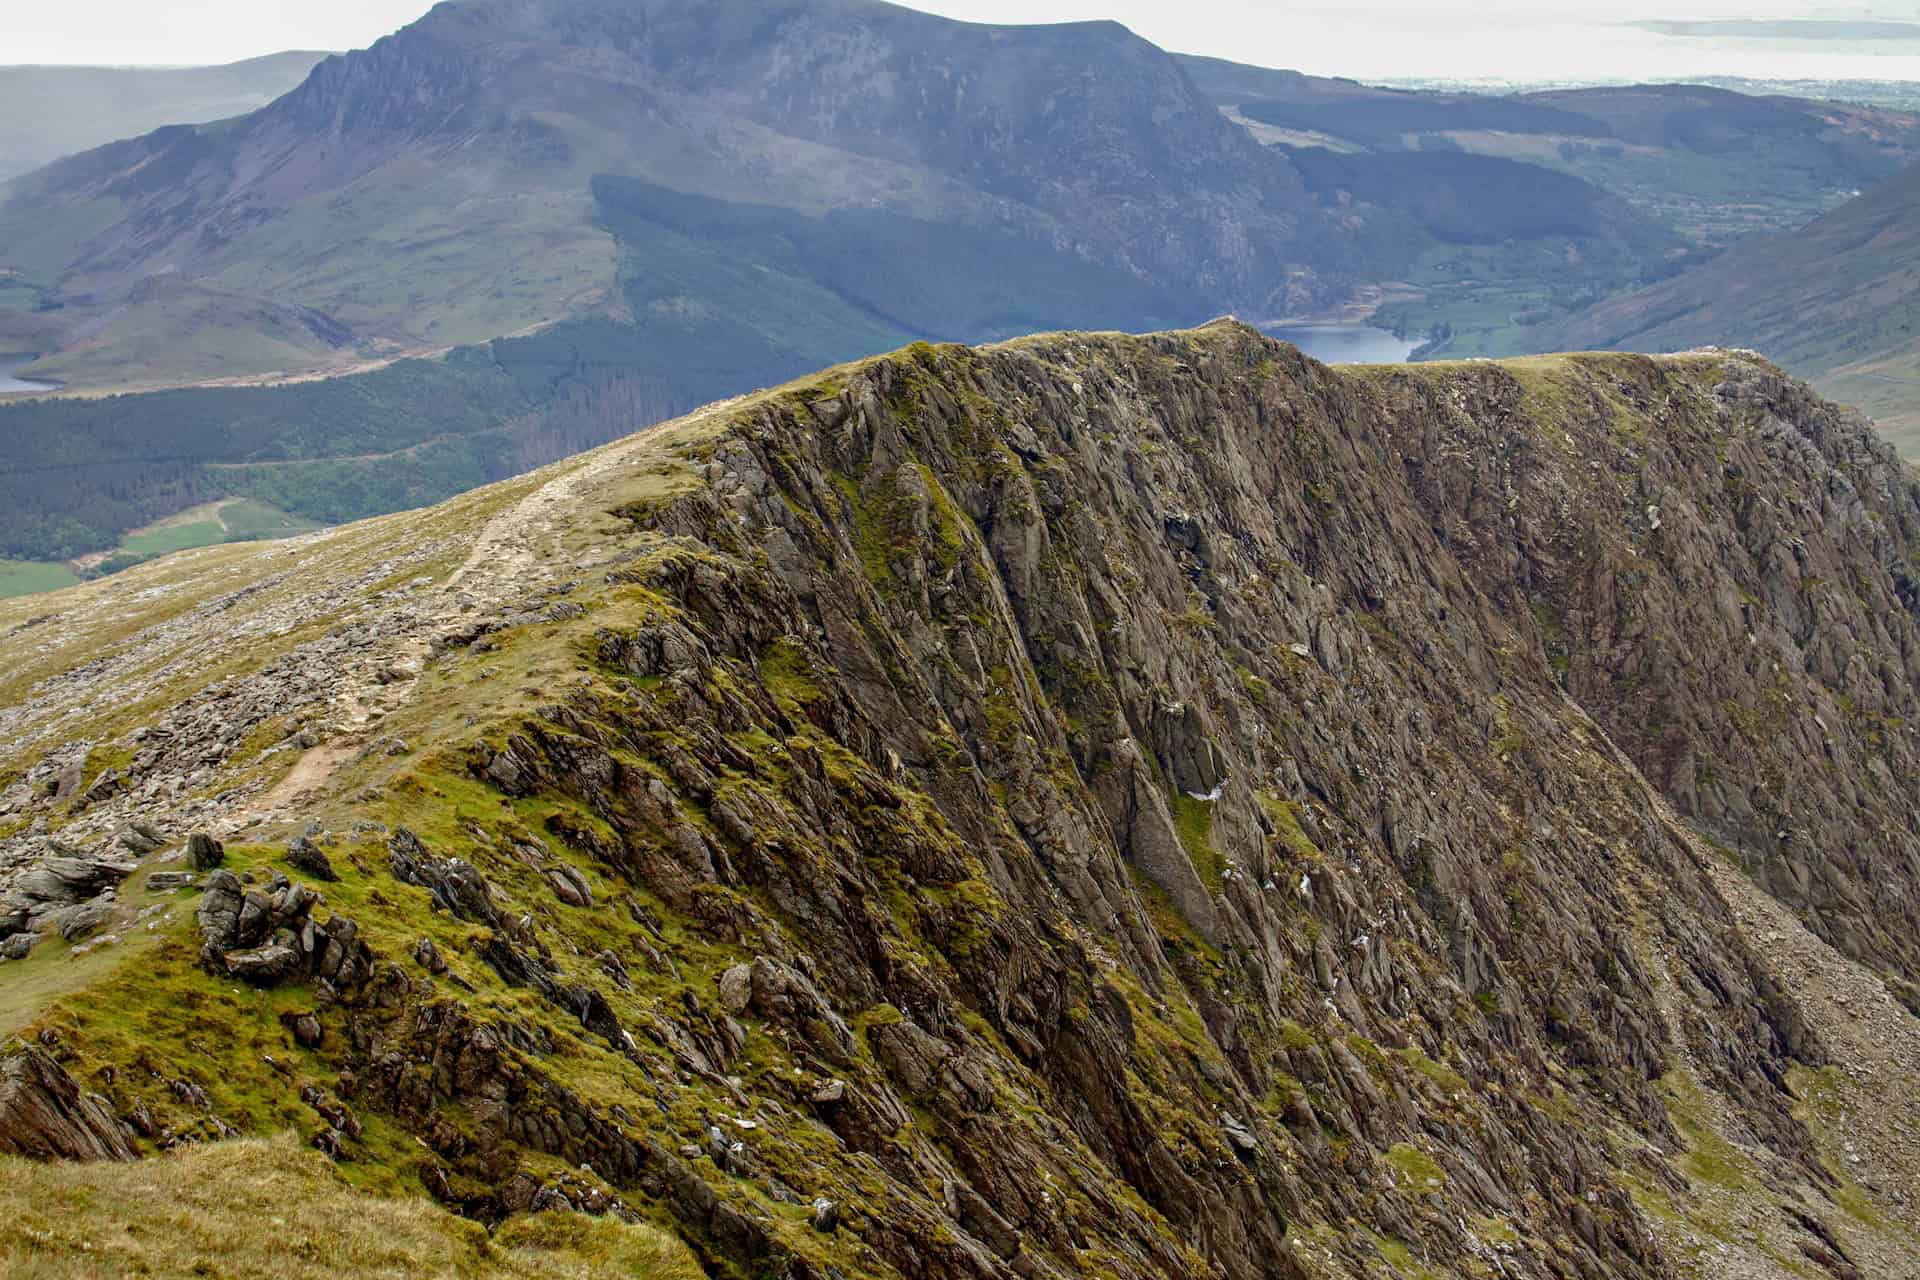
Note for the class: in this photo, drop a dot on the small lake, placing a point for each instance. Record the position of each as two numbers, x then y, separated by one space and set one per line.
1346 343
10 384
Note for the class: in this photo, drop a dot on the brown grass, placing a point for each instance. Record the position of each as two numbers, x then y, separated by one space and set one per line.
269 1208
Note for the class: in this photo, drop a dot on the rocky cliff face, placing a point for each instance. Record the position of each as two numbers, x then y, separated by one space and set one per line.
1092 806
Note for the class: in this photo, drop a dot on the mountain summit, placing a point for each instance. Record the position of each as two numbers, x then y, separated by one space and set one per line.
440 187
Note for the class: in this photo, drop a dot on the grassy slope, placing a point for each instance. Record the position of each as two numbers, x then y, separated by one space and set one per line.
266 1207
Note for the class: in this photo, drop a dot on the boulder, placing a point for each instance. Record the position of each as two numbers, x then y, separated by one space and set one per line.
306 856
139 837
219 911
570 886
108 785
736 988
428 957
63 879
45 1116
262 966
204 853
83 918
304 1028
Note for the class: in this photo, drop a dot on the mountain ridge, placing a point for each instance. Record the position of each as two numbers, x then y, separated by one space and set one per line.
1828 300
47 112
500 93
1094 804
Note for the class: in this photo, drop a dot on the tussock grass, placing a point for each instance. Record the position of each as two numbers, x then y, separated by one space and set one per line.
268 1208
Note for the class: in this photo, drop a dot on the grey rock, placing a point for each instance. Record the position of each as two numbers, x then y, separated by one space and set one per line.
457 887
68 781
204 853
304 855
219 911
78 921
63 879
44 1115
428 957
1238 1134
262 966
736 988
139 838
972 1211
570 886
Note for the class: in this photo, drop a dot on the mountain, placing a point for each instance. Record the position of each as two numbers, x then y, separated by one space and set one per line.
500 164
1710 166
519 209
1088 806
50 112
1833 301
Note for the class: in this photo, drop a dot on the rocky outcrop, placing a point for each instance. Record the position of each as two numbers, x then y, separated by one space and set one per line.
268 936
45 1115
63 893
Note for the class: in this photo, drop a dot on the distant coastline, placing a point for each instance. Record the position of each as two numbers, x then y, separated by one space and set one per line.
1781 29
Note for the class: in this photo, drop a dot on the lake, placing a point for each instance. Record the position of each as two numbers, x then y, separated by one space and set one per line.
10 384
1346 343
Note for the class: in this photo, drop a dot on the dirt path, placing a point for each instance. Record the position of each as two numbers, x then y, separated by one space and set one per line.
310 773
507 548
506 563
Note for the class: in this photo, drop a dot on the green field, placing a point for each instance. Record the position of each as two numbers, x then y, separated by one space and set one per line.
248 521
27 577
179 537
235 520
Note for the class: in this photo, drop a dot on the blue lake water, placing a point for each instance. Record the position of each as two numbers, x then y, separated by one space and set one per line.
1346 343
9 383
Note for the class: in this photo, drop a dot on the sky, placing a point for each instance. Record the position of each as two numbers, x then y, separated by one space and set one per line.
1378 39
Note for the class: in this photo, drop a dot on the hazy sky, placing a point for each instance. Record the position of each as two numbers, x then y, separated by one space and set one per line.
1485 38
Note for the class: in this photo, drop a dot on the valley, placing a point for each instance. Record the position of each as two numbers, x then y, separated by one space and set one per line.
1345 343
211 523
333 333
